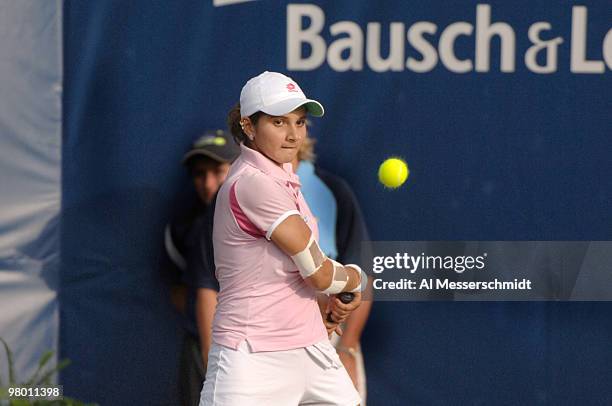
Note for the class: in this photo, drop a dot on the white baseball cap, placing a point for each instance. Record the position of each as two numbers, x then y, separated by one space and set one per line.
275 94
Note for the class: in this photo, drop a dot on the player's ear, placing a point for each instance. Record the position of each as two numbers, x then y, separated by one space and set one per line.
247 127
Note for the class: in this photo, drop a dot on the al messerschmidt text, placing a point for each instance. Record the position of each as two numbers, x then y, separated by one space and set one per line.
426 284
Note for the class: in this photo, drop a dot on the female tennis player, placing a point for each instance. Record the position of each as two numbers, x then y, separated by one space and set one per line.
270 343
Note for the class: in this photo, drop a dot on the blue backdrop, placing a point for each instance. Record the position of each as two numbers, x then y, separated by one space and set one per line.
494 155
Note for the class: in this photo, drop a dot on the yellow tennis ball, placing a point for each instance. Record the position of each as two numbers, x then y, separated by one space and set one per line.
393 172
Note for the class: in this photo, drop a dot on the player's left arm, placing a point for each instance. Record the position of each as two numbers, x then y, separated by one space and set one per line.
322 301
341 311
356 320
348 346
325 306
352 243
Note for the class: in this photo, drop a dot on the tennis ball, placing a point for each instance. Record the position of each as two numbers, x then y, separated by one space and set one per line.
393 172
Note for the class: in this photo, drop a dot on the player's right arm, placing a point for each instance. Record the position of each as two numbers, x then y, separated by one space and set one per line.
294 238
264 207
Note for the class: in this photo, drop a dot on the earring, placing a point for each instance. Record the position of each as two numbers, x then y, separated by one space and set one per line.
249 136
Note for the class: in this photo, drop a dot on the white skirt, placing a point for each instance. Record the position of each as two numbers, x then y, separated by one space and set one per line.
312 375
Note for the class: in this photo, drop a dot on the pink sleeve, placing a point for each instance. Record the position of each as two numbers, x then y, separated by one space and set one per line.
262 202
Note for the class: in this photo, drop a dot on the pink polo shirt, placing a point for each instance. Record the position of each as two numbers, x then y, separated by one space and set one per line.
262 298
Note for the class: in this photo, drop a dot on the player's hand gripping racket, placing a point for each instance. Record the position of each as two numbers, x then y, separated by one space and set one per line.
346 298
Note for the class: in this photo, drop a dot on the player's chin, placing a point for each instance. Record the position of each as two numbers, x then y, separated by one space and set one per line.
286 155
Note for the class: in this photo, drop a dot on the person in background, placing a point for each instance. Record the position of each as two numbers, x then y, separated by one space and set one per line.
342 235
188 258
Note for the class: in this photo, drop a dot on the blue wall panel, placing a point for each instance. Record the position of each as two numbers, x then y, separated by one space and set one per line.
493 155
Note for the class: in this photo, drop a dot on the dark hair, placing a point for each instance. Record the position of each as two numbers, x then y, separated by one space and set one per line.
233 122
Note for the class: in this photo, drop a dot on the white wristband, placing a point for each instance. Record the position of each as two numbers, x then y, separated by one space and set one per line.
363 278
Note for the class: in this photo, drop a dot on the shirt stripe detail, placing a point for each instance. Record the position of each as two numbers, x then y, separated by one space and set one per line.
243 221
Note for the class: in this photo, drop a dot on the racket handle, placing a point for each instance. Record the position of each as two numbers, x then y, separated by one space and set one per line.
346 298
